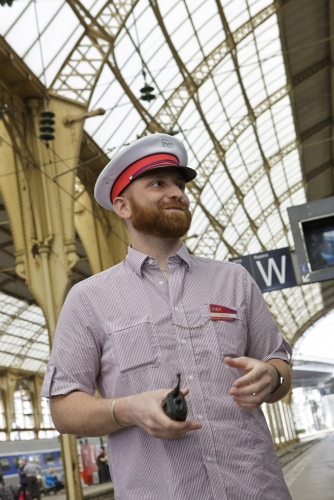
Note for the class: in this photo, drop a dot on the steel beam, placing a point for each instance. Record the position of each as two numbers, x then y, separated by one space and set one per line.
81 70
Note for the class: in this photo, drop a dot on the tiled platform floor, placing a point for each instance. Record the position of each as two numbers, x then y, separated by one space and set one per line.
311 476
99 491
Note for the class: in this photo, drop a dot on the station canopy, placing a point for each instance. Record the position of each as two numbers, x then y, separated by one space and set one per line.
220 82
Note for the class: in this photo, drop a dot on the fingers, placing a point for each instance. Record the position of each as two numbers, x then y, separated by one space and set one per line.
255 369
147 413
165 428
250 399
251 390
243 363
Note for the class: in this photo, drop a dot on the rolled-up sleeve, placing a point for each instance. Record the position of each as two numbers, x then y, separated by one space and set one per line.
75 357
264 339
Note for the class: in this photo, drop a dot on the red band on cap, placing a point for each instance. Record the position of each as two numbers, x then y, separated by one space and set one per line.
138 167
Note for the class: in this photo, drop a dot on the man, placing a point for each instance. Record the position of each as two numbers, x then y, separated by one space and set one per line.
102 466
162 311
23 480
32 470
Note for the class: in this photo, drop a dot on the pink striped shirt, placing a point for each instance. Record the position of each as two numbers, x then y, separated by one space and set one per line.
127 330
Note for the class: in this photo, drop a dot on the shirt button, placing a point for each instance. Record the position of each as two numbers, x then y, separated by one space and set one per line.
176 308
199 417
191 377
209 459
183 341
161 282
150 261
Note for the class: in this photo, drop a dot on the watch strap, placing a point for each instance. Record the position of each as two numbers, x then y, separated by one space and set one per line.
280 380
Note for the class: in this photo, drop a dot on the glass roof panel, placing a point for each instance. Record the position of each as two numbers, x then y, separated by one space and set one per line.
235 17
252 204
256 6
23 335
233 114
209 31
264 193
254 246
223 186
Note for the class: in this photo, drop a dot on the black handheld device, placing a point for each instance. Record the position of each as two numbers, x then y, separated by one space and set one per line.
175 405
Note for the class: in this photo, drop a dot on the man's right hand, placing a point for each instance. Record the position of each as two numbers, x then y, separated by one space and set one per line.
144 410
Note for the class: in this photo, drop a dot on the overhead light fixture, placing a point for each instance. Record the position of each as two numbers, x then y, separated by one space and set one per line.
173 132
4 108
146 92
46 125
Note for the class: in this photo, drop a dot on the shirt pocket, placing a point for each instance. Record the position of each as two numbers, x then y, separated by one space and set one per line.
231 336
134 344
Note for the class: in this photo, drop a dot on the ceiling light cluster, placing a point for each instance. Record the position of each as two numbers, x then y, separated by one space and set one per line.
146 92
46 124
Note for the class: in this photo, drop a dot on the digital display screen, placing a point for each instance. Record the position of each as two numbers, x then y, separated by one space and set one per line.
319 242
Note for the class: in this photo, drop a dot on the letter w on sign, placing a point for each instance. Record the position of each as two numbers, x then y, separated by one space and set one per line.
268 278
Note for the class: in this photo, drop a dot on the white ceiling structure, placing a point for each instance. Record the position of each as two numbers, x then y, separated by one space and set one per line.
223 75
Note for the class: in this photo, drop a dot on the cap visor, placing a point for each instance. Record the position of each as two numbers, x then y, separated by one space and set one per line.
189 174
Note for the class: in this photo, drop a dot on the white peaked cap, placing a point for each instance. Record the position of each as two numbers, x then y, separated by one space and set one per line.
155 144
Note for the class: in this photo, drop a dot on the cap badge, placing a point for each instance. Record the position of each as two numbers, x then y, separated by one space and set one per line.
167 144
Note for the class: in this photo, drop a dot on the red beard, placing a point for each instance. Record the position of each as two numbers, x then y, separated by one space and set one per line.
156 221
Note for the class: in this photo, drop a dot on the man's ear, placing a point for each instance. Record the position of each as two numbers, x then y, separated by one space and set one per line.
122 207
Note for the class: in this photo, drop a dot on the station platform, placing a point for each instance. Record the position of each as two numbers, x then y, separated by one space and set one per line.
308 469
310 476
104 491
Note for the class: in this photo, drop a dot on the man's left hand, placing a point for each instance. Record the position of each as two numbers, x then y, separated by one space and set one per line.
254 388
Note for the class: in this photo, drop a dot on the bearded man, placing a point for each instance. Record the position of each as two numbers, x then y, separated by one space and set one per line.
129 330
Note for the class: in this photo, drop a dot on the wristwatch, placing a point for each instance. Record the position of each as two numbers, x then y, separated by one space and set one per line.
280 380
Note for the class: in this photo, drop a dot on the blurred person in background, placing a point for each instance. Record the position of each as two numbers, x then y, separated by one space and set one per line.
51 481
32 471
1 477
103 466
24 489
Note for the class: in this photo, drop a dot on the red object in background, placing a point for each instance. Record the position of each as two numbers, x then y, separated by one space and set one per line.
22 497
88 456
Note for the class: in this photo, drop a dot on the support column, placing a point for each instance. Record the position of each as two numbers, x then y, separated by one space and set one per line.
40 204
7 386
35 387
103 234
41 213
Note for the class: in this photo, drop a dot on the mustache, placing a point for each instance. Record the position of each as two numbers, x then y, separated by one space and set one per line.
175 204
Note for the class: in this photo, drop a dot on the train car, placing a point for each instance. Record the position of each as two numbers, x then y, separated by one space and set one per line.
45 452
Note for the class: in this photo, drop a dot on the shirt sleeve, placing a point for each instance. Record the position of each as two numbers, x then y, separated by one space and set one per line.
75 357
264 339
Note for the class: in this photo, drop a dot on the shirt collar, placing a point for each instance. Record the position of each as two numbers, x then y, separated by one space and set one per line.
136 259
184 255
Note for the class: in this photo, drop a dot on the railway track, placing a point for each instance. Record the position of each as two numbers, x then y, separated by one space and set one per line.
292 452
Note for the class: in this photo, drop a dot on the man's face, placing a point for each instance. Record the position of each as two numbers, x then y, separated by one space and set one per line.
159 205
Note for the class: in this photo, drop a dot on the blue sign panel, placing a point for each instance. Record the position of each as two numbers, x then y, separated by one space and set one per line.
303 268
271 270
244 261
